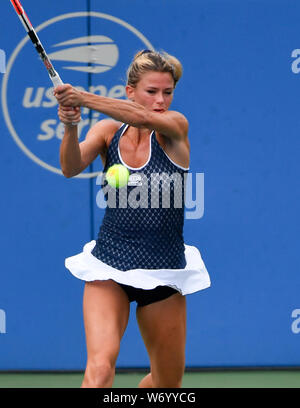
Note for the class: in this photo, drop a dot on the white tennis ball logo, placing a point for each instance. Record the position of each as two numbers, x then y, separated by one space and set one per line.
102 52
117 176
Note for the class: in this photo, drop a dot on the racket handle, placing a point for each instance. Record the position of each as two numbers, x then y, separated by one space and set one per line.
56 80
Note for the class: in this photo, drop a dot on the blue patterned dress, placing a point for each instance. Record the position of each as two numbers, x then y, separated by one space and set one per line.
140 242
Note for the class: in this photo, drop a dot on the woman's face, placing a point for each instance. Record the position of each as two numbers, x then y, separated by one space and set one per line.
154 91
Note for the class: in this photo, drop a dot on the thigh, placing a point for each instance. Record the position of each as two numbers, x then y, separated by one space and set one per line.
106 313
163 328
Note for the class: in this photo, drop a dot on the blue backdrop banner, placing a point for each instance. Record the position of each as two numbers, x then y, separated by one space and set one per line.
241 63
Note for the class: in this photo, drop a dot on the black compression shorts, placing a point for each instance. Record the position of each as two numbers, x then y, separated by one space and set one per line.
145 297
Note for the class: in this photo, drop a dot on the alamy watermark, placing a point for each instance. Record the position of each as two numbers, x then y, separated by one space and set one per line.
160 190
2 322
296 322
2 61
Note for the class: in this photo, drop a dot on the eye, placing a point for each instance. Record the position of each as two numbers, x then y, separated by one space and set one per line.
150 91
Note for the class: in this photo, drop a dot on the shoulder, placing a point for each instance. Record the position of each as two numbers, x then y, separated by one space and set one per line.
173 126
105 130
98 139
106 125
180 119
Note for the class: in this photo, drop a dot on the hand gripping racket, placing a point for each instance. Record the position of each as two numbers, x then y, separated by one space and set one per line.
55 78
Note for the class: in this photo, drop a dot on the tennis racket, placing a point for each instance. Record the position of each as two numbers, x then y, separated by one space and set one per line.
55 78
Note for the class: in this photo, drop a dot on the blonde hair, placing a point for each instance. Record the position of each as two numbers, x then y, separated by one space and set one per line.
147 60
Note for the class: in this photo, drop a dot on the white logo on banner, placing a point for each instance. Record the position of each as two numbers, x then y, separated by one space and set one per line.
2 322
32 105
100 51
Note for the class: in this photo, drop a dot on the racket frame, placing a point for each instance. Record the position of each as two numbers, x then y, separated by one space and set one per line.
55 78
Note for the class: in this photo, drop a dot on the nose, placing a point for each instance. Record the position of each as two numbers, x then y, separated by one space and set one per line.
160 98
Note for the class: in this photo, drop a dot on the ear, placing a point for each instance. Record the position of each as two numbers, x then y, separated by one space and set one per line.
130 92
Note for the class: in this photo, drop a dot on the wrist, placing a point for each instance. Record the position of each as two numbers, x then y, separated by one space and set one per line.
83 99
70 125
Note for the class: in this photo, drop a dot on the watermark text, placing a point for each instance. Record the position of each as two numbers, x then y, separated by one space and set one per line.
2 322
2 61
160 190
296 322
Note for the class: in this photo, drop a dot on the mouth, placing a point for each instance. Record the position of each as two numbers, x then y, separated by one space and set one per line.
159 110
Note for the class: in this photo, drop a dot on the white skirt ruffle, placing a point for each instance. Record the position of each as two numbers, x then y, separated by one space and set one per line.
192 278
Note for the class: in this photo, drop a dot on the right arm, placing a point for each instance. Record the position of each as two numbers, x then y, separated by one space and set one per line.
75 156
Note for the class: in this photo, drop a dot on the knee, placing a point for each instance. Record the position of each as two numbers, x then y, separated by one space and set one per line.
98 374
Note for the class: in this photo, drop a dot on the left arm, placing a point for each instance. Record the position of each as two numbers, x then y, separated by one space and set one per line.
171 124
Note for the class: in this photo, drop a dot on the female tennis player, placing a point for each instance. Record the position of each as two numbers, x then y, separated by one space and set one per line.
139 254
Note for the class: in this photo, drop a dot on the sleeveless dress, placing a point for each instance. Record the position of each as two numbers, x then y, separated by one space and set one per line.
140 242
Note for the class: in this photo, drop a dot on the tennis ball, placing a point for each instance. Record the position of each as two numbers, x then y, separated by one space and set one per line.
117 176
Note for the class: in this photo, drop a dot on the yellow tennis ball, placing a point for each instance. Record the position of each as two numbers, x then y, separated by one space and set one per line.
117 176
